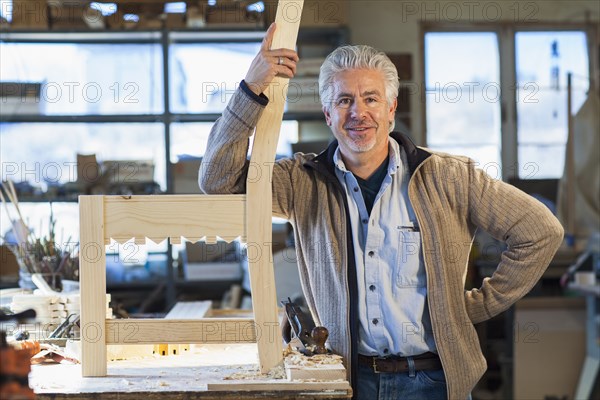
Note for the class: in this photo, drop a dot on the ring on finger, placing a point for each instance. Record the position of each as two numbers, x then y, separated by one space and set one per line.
280 61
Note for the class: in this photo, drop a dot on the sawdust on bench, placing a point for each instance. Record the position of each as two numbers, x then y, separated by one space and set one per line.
291 357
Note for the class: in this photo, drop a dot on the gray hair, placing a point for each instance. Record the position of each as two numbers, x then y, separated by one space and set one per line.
357 57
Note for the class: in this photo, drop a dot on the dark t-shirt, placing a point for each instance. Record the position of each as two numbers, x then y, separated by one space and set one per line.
370 187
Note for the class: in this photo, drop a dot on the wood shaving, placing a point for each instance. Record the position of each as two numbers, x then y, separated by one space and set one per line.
289 350
277 373
292 357
254 373
299 359
244 375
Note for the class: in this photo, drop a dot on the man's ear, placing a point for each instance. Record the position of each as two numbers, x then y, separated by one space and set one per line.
392 110
327 115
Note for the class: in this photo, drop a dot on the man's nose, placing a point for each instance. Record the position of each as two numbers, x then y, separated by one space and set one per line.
358 110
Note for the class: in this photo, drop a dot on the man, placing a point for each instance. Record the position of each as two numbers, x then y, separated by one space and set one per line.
383 229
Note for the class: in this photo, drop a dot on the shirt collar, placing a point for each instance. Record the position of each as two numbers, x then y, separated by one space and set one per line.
337 160
397 158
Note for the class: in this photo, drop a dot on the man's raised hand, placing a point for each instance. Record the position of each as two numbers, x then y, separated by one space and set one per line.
270 63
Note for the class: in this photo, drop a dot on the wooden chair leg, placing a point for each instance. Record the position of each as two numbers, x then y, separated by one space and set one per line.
92 267
259 200
264 304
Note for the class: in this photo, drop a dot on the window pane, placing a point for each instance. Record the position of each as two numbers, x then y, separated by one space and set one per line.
79 79
543 115
543 61
204 76
463 120
538 161
190 139
461 57
544 57
463 94
486 157
50 155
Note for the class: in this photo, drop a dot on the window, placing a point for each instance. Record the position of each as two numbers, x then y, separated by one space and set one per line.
467 92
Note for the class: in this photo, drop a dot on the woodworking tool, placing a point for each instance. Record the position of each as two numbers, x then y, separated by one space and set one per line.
300 330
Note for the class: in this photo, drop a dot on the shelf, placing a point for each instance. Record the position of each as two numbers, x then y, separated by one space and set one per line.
42 199
288 116
206 35
132 36
81 118
201 290
133 285
139 118
593 290
194 284
93 37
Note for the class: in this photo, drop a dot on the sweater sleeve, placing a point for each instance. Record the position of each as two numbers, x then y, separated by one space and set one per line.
225 167
532 235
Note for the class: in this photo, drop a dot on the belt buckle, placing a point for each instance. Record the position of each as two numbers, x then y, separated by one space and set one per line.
375 370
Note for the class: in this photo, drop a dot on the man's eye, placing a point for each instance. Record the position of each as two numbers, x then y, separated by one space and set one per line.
371 100
344 101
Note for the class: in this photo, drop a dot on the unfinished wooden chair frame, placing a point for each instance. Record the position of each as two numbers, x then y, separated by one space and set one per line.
193 217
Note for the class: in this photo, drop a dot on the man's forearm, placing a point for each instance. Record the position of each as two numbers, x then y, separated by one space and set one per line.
532 234
224 166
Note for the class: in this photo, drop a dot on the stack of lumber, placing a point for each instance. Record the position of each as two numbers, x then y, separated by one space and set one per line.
51 310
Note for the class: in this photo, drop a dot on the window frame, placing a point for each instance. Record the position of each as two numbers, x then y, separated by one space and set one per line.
506 36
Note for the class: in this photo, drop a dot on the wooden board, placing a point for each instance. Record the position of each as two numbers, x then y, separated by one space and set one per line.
160 217
259 191
193 310
205 395
92 270
320 367
255 386
208 330
319 373
190 310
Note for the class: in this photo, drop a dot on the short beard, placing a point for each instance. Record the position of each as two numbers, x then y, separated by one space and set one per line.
361 148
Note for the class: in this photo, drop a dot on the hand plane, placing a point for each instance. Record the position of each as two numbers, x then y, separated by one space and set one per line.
299 330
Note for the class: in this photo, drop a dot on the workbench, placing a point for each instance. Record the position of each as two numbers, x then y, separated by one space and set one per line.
198 374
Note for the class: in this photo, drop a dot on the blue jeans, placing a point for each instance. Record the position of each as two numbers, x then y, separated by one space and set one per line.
424 385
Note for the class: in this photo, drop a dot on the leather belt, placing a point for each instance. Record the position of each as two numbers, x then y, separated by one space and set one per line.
427 361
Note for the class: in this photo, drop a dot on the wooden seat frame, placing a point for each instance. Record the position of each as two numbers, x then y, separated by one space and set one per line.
193 217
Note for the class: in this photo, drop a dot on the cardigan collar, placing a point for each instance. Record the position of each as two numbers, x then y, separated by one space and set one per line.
414 155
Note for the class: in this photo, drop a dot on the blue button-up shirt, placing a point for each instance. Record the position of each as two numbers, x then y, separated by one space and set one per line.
392 285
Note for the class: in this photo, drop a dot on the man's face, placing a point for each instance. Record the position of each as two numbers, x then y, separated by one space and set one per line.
358 112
